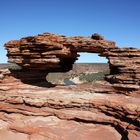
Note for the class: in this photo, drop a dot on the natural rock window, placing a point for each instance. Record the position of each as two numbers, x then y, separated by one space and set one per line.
91 58
44 53
101 110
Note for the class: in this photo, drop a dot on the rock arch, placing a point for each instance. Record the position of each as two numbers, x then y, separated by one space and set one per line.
47 52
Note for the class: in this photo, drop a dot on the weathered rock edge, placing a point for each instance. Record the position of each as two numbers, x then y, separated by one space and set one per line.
47 52
25 108
71 103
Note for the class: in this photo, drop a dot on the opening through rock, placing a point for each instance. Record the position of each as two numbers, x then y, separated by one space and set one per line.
91 58
88 68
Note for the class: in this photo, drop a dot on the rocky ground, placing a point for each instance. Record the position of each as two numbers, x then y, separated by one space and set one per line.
84 111
33 109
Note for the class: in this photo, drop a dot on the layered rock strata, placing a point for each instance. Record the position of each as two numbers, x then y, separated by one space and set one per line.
52 52
38 55
124 66
84 111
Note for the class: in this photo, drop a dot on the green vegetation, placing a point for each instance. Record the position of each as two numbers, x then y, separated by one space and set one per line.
15 68
92 77
83 72
85 77
11 67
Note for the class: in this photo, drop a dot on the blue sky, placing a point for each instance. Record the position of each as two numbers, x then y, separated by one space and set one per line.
117 20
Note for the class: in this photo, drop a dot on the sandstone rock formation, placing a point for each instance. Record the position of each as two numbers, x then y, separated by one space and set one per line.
124 68
52 52
38 55
86 111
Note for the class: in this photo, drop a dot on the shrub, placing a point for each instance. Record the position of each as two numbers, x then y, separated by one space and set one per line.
92 77
13 67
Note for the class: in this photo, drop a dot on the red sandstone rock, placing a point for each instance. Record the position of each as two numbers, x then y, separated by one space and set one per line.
97 36
52 52
86 111
124 66
75 112
38 55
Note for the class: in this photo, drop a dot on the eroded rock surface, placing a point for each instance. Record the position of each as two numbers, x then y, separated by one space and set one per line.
124 68
52 52
85 111
38 55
